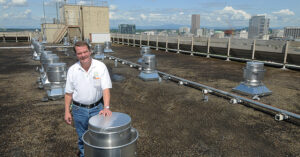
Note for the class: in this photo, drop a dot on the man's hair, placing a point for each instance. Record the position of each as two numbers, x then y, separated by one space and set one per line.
80 44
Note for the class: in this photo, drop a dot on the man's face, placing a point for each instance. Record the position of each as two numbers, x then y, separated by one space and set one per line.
83 54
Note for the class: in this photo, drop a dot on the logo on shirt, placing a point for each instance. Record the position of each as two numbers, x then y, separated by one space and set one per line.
96 76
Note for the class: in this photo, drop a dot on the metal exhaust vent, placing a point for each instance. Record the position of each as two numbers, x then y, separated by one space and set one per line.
99 52
144 50
57 74
75 40
107 47
88 42
148 72
252 84
66 41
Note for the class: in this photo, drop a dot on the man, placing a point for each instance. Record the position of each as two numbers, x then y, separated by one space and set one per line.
88 85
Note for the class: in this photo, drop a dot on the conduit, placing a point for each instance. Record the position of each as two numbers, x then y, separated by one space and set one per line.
29 47
281 114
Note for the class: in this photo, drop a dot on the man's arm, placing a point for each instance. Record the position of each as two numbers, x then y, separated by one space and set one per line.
68 116
106 100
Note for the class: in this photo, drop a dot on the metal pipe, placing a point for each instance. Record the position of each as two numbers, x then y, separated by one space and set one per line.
19 47
27 47
211 89
58 46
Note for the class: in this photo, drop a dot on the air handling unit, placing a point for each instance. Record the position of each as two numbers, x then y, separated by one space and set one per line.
252 84
148 72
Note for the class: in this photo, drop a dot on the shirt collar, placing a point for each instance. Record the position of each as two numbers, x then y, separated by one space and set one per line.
91 67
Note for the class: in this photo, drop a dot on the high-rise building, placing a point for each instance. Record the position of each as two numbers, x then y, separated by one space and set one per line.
126 29
292 32
258 27
195 23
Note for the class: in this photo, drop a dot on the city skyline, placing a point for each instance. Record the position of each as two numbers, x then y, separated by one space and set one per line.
154 13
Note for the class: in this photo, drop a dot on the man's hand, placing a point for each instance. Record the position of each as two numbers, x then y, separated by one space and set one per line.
105 112
68 118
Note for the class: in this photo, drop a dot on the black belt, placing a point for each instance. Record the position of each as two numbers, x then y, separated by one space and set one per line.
89 105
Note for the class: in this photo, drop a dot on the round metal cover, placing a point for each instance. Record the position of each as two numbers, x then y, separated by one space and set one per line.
57 67
117 122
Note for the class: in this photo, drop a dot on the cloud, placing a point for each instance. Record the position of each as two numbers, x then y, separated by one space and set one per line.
18 2
112 7
2 1
181 13
81 3
143 16
234 14
284 12
52 2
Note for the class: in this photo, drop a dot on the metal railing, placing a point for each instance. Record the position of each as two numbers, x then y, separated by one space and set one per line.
159 42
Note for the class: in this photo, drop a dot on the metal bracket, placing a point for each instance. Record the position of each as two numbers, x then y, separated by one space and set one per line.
116 63
235 101
205 93
281 117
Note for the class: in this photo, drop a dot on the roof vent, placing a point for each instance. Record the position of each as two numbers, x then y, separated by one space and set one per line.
252 84
149 72
107 47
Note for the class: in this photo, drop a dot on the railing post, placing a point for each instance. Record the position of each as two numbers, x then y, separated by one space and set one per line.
148 36
285 54
166 43
118 36
178 41
122 39
134 40
208 46
253 49
156 42
128 40
228 49
192 46
16 37
141 40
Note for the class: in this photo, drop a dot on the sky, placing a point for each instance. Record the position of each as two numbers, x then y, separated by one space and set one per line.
213 13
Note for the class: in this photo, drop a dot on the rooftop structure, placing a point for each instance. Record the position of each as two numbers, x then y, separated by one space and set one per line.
78 20
195 24
126 29
258 27
292 32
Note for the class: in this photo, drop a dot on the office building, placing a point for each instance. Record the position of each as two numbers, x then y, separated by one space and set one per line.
258 27
195 23
126 29
292 32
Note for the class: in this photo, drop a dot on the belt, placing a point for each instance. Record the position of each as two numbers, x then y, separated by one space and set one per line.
88 105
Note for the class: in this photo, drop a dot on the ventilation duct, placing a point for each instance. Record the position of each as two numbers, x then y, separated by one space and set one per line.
144 50
99 52
149 72
252 84
107 47
110 136
56 73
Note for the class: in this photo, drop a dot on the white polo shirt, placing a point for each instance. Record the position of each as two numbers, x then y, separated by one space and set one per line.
87 86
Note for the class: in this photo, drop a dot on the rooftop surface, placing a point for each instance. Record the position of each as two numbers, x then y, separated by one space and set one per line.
172 120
